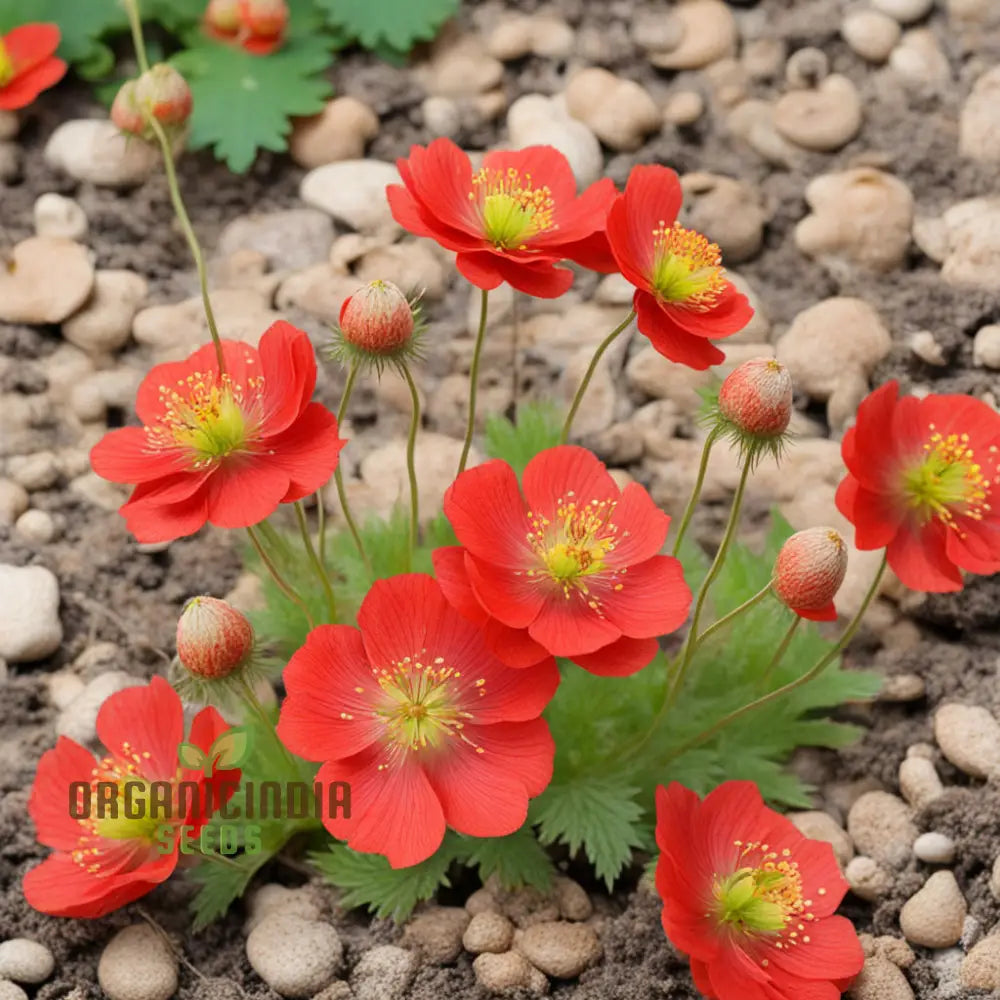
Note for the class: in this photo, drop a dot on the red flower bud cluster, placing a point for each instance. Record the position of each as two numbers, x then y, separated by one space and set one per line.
256 25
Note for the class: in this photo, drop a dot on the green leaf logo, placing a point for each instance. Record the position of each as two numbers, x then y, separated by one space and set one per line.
230 749
191 756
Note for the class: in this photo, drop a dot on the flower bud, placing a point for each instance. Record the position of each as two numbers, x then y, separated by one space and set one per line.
165 93
377 319
213 638
809 571
222 18
125 112
756 398
264 18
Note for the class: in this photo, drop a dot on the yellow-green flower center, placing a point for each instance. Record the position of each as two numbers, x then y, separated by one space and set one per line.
759 899
949 482
134 815
6 65
511 208
686 267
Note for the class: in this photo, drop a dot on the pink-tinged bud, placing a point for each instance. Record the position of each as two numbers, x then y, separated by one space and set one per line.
222 17
756 397
377 319
125 111
165 94
809 571
264 18
213 638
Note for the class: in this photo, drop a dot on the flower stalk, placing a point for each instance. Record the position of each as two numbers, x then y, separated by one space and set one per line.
477 351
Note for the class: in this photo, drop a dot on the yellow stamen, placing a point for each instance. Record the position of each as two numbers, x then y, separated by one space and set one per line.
6 65
687 269
511 208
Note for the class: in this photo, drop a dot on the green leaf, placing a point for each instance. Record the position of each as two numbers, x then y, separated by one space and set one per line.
396 24
368 880
192 756
221 884
538 427
598 814
244 103
516 860
231 748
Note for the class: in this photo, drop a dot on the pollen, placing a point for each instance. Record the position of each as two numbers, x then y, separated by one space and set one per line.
511 208
687 268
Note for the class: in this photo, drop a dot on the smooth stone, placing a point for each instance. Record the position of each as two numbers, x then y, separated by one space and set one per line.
35 527
979 123
26 961
707 32
618 111
55 215
823 119
880 980
339 132
986 346
137 964
78 720
535 119
871 34
934 848
384 973
881 826
92 149
294 956
353 192
488 932
289 240
437 933
559 948
13 501
904 11
104 324
969 736
509 971
729 212
980 969
28 293
935 915
818 825
30 628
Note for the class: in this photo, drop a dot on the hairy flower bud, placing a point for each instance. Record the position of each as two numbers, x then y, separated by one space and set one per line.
213 638
757 397
264 18
377 319
160 93
125 111
222 17
809 571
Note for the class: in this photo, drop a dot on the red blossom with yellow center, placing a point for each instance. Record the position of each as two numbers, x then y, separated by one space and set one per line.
574 563
750 900
922 480
112 857
422 719
28 64
683 299
223 447
510 221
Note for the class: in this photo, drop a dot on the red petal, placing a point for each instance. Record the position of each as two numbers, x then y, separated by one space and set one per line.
621 658
975 547
654 599
244 492
327 679
566 471
828 613
874 515
731 313
538 166
735 977
288 364
449 570
307 453
509 595
152 522
49 803
26 86
833 951
480 269
592 252
415 218
31 44
394 811
125 456
642 527
672 340
581 218
565 626
440 178
543 281
485 781
919 557
514 646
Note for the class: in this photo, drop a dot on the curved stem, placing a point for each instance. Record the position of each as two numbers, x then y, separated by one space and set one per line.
780 692
477 351
338 475
411 468
283 585
589 374
727 618
696 492
192 239
324 577
253 702
135 24
779 653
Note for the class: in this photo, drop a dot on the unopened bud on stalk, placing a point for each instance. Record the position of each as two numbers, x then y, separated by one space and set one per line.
809 571
264 18
757 397
213 638
160 93
222 17
377 319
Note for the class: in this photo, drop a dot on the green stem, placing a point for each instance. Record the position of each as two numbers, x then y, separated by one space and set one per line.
727 618
780 692
696 492
283 585
411 467
589 374
477 351
338 475
135 24
324 577
192 239
779 653
253 702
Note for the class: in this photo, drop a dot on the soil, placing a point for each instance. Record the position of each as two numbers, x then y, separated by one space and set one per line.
112 591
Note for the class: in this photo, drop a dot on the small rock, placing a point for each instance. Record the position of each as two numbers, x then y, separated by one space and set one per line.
25 961
437 933
318 290
104 323
137 964
980 969
384 973
935 915
871 34
862 215
289 240
986 347
806 68
93 150
618 111
55 215
895 950
934 848
78 720
880 980
753 122
10 125
11 991
511 970
979 124
517 36
867 878
995 879
559 948
904 11
729 212
337 990
925 346
969 736
39 471
572 899
13 501
459 67
705 31
482 901
442 116
818 825
414 265
902 688
339 132
294 956
684 108
919 62
488 931
36 527
972 254
538 120
823 119
881 827
30 628
27 292
273 898
353 192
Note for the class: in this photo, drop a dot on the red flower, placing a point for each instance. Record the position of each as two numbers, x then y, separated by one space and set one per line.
750 900
107 860
576 564
28 64
921 473
223 448
682 296
429 727
512 220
